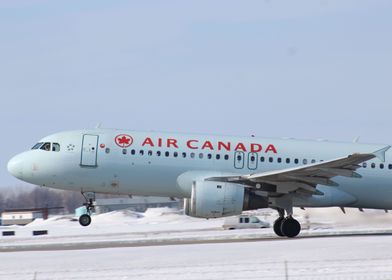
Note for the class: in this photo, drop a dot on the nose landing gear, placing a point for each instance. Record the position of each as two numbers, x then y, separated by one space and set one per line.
85 219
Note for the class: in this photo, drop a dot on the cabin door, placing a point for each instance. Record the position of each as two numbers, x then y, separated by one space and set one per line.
89 150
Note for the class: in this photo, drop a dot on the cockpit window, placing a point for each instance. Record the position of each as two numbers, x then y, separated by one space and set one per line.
46 146
37 146
56 147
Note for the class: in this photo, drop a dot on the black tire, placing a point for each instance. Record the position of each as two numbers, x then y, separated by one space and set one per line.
85 220
290 227
278 226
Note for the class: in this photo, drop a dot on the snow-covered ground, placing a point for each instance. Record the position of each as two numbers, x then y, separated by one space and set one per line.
366 257
338 257
164 225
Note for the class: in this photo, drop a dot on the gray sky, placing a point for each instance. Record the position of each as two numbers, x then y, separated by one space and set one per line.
305 69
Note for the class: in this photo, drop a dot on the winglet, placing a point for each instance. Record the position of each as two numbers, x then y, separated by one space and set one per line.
380 154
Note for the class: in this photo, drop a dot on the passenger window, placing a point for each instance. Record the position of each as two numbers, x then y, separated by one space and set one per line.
239 158
252 158
305 161
209 156
192 155
200 155
364 165
150 153
107 150
158 153
313 161
46 147
390 166
133 152
124 151
218 156
279 159
167 154
296 161
262 159
56 147
381 166
184 155
373 165
226 157
141 152
287 160
271 159
175 154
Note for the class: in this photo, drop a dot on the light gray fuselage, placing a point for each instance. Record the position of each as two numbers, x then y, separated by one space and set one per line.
152 172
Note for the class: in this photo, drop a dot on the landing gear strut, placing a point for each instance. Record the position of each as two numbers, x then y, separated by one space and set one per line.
288 226
85 219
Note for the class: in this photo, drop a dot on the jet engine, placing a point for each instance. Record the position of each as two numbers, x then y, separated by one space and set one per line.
219 199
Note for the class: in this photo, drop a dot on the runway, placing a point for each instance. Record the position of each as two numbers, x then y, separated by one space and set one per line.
349 257
48 244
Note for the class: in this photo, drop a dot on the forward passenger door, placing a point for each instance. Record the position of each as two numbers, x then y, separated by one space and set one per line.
89 150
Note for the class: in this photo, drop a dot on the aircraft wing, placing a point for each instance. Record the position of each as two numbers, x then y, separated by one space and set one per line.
305 178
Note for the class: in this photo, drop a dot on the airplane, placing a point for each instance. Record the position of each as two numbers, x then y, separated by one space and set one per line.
217 176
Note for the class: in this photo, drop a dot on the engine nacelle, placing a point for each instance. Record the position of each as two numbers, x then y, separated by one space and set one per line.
218 199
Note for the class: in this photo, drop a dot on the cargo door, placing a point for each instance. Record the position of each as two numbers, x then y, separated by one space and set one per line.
89 150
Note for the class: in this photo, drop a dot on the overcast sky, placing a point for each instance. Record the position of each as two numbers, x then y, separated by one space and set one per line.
305 69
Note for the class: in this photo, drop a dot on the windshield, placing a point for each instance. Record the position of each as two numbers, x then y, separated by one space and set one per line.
47 146
37 146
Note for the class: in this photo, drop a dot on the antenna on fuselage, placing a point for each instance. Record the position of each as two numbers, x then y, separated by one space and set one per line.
356 139
98 125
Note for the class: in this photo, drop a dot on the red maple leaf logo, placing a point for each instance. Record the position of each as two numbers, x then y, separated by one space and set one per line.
123 140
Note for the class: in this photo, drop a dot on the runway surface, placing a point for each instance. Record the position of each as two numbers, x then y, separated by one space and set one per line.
48 244
349 257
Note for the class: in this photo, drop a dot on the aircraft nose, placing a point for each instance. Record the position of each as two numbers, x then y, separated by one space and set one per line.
15 166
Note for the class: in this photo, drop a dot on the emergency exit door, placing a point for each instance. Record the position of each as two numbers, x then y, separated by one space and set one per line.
239 160
89 150
253 159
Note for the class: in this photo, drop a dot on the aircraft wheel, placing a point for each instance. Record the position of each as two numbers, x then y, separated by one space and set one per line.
85 220
278 226
290 227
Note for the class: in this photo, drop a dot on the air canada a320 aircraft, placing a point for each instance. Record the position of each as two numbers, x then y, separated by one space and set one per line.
216 175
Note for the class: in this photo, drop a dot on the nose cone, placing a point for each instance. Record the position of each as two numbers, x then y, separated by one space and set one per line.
15 167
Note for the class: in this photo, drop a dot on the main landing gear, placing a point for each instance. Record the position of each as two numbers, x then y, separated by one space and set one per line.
85 219
288 226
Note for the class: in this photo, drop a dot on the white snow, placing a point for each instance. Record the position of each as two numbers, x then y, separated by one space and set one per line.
312 258
336 257
162 225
